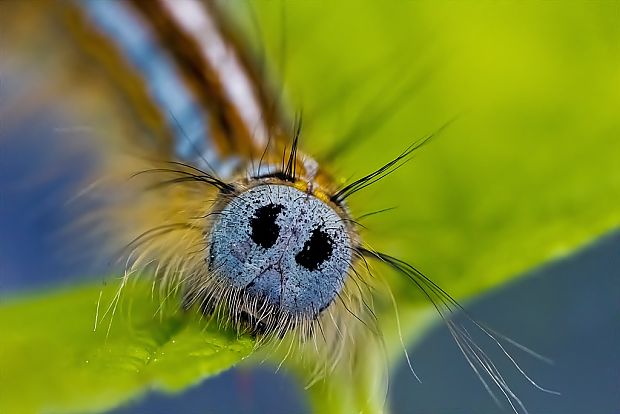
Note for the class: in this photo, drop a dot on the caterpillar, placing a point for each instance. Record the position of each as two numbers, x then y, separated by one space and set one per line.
224 206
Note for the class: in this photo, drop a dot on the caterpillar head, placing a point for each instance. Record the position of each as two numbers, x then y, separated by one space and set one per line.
285 253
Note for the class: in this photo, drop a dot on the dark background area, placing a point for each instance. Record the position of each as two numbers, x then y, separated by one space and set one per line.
568 310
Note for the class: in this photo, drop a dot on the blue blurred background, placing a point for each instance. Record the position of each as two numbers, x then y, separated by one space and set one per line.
568 310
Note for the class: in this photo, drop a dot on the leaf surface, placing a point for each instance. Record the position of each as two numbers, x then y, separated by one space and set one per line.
53 360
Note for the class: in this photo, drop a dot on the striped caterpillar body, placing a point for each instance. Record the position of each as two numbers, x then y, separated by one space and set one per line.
211 192
214 195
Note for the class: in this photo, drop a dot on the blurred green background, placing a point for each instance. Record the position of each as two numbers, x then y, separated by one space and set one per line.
526 172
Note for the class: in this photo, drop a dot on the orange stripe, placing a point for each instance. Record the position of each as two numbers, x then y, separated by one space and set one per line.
128 84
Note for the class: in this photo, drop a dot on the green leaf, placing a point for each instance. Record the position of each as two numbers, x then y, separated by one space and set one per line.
528 171
52 360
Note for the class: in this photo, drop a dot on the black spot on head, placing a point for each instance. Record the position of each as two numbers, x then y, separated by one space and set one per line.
317 249
265 231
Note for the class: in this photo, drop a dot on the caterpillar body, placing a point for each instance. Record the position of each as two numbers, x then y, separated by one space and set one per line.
225 208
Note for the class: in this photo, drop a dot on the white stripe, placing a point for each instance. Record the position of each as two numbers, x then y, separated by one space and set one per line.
198 24
183 114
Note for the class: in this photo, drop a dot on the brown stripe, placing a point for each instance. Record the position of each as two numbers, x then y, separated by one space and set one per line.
129 86
228 129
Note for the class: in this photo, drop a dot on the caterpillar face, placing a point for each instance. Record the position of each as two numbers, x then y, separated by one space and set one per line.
283 248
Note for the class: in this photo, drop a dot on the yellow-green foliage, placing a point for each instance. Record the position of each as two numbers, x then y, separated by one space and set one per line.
53 360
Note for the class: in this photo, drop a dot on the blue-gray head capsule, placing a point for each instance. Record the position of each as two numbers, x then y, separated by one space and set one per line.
282 247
